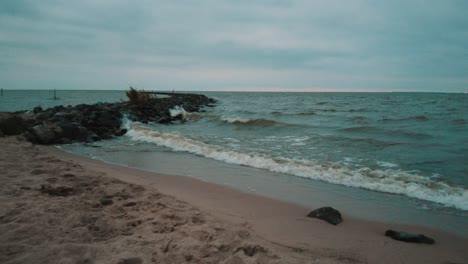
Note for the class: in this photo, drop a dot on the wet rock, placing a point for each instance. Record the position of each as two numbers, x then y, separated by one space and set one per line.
328 214
109 118
121 132
409 237
164 120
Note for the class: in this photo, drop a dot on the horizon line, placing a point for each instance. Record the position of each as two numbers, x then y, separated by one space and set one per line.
274 90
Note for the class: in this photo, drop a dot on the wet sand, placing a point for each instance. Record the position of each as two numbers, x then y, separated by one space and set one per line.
57 207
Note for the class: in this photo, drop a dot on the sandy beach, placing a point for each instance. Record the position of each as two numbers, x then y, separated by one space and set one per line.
56 207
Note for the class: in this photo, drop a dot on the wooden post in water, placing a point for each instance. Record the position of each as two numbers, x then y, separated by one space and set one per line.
1 91
55 94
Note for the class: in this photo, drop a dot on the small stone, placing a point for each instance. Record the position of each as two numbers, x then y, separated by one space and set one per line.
328 214
409 237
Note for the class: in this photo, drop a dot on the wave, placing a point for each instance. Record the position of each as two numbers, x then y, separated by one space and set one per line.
248 121
359 110
358 119
179 110
362 129
414 118
293 114
374 142
460 121
383 180
371 129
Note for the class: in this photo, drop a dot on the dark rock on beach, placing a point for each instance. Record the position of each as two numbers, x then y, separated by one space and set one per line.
328 214
409 237
88 123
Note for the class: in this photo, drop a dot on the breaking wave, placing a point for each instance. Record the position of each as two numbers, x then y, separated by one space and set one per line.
382 180
180 111
248 121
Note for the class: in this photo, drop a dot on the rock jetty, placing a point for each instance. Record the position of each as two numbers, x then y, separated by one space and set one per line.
93 122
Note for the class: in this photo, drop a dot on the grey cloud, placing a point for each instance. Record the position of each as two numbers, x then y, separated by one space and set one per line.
419 45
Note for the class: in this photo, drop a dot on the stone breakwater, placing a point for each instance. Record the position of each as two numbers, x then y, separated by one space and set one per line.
88 123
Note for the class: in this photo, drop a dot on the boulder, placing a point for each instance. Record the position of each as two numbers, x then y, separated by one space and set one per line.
73 132
63 116
37 109
328 214
109 118
121 132
42 116
45 134
58 108
165 120
409 237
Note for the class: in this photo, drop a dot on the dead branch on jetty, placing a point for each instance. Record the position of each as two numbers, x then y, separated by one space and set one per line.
137 96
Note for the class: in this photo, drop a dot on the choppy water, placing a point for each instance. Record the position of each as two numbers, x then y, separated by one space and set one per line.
411 144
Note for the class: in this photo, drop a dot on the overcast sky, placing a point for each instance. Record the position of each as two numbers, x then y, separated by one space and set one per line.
407 45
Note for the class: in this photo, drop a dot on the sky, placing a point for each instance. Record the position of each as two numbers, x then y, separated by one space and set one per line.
262 45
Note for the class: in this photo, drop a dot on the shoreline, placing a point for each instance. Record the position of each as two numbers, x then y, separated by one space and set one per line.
281 227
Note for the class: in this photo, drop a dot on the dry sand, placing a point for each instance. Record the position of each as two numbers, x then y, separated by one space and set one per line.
56 207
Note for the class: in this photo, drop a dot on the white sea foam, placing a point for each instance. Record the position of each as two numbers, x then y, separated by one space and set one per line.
235 119
248 121
178 110
126 123
386 164
388 180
